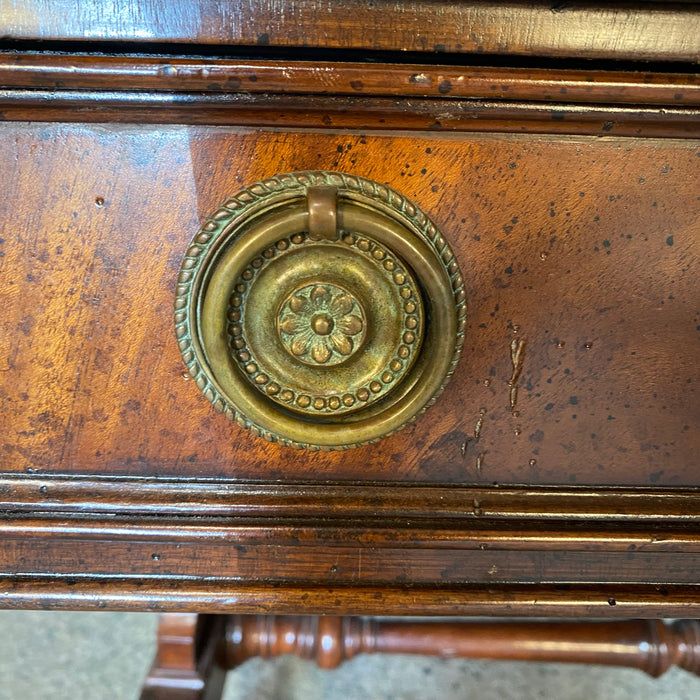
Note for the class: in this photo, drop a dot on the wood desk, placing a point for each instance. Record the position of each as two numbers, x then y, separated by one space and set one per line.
546 157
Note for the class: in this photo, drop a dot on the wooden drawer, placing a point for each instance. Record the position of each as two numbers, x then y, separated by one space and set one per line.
555 475
580 252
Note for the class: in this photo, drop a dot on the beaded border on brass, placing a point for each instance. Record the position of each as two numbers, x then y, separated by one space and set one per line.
364 395
234 209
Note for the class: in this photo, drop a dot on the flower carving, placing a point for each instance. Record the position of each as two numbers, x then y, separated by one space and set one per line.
321 324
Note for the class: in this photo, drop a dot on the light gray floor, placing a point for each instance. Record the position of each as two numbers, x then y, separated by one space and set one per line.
104 656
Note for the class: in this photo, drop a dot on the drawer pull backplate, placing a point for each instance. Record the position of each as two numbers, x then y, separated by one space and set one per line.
320 310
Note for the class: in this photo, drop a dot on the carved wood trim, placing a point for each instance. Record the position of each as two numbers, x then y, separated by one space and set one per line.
176 74
57 494
195 650
349 113
161 595
651 646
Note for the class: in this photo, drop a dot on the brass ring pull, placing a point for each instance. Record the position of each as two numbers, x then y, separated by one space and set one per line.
320 310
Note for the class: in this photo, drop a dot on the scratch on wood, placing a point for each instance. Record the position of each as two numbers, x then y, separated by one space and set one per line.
477 432
480 461
479 423
517 357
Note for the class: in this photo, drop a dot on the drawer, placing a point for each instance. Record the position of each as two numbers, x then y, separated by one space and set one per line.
579 256
238 237
554 474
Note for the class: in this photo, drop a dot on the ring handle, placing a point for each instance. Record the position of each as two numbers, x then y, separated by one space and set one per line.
320 310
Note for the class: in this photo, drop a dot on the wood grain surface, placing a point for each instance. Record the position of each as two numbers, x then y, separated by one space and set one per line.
579 251
212 595
192 650
326 113
625 30
218 75
649 645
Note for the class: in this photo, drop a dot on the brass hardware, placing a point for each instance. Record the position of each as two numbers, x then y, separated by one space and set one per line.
320 310
321 324
323 214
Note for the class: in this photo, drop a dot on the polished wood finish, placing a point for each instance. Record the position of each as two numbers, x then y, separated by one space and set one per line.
192 652
186 666
334 113
199 594
648 645
58 496
347 95
556 475
219 75
661 31
307 554
363 536
97 219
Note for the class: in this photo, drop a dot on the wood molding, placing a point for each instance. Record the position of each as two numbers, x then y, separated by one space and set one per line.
189 532
161 595
347 554
336 556
348 113
377 532
358 96
56 494
176 74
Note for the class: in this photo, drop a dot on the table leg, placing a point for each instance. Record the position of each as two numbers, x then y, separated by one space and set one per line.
186 666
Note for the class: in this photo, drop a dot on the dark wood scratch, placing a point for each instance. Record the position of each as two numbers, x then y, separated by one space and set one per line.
517 357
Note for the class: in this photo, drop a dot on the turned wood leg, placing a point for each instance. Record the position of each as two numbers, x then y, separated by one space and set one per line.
186 666
194 650
649 645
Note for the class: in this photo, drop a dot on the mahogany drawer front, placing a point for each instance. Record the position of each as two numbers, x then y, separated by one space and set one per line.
554 475
579 255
